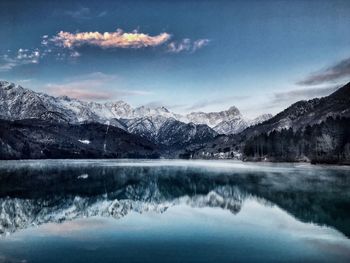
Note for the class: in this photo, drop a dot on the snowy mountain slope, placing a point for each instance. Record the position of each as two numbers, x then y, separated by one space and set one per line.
19 103
238 124
169 131
178 134
232 126
147 127
213 118
230 121
261 118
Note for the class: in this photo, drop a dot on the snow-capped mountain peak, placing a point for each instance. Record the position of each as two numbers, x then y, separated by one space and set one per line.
212 119
20 103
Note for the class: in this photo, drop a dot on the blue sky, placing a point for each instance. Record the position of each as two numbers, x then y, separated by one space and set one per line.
260 56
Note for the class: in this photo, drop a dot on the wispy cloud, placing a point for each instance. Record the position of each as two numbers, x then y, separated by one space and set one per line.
200 43
23 56
11 60
23 81
77 91
49 49
275 102
278 101
177 47
186 45
303 94
102 14
117 39
81 13
84 13
199 105
339 71
94 86
45 40
158 103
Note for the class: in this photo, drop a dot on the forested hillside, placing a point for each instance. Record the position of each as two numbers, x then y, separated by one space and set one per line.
327 142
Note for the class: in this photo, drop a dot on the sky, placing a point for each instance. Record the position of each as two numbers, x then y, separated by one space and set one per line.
260 56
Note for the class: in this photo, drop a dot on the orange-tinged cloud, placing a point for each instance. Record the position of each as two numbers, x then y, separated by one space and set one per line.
117 39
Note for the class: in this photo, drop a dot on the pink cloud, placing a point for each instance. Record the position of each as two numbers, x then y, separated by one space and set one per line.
81 94
117 39
92 87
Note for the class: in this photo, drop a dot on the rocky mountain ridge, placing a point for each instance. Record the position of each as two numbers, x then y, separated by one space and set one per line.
20 103
325 118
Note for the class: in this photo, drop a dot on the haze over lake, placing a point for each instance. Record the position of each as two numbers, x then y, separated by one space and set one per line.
173 211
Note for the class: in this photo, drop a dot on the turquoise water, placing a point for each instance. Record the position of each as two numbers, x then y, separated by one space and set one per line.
173 211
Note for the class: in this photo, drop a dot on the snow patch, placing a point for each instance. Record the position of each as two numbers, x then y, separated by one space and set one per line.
84 141
83 176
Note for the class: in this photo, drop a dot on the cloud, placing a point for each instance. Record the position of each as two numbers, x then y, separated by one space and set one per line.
22 56
81 13
214 102
303 94
177 47
28 55
74 54
121 39
334 73
83 92
102 14
94 86
275 102
45 40
186 45
24 80
117 39
63 46
279 101
48 49
84 13
158 104
200 43
7 64
72 91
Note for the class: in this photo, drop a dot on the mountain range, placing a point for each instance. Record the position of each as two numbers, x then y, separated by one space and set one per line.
20 103
158 125
62 125
325 118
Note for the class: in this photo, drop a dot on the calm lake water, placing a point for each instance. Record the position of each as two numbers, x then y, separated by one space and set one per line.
173 211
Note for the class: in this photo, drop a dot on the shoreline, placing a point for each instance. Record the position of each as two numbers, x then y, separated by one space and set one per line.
171 162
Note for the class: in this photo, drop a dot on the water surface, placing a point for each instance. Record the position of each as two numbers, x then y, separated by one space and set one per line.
173 211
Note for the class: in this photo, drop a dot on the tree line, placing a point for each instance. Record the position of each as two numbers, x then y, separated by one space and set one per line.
326 142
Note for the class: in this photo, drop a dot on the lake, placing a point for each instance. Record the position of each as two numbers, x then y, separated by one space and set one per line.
173 211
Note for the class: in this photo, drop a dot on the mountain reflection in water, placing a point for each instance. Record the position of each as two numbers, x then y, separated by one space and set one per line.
44 192
56 191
